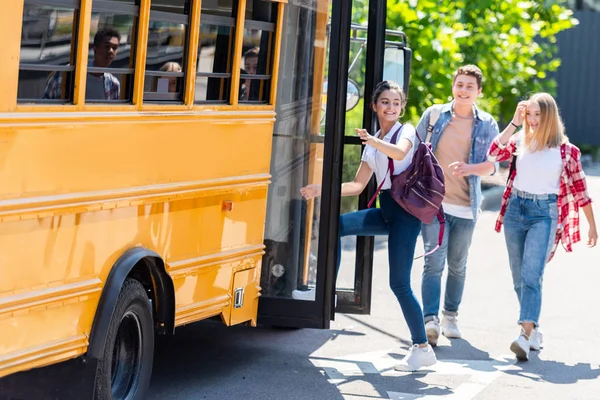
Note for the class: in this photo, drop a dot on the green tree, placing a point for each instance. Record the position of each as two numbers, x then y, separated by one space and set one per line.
512 41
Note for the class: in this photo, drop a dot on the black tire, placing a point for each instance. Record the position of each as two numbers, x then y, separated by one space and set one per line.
126 366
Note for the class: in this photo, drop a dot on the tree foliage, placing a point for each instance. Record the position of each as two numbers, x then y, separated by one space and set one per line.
513 42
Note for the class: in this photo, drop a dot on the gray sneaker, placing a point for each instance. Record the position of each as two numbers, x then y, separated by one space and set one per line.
536 341
432 328
521 347
450 327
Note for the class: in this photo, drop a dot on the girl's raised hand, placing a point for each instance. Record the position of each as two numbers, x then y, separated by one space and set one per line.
364 136
520 113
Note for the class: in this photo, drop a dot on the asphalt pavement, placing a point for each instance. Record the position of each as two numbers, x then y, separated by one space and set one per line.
354 359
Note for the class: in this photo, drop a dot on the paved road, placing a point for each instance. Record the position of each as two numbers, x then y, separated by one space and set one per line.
354 359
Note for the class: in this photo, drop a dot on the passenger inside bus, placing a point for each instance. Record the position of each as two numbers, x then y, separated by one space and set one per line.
101 85
251 61
250 68
168 85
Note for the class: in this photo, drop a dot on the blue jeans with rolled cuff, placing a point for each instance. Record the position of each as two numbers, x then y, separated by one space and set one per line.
529 229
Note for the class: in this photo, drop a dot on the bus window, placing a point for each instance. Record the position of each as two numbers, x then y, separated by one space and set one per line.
292 224
47 61
165 60
393 65
112 51
257 52
215 50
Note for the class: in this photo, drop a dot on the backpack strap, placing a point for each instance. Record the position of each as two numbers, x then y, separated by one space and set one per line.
513 162
511 169
393 140
442 221
434 115
390 167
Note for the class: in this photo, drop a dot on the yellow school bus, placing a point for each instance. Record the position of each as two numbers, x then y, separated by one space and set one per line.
141 141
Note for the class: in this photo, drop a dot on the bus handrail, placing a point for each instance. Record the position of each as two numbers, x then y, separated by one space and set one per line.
389 32
355 28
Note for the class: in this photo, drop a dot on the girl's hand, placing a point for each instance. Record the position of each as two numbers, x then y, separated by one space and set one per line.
365 136
520 113
311 191
592 237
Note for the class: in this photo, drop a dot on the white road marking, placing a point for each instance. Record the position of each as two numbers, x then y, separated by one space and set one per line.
481 373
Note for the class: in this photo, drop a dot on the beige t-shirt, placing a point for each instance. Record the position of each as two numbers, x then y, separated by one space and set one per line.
455 145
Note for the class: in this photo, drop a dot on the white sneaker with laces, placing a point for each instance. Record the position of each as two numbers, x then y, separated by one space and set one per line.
536 340
416 358
450 327
432 328
521 347
306 295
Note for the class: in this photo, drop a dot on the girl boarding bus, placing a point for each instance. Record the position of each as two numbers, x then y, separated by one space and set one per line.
150 177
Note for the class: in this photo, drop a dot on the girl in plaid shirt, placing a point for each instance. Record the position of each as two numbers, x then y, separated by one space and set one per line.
540 207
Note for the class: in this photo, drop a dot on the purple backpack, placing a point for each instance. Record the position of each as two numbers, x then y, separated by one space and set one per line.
420 188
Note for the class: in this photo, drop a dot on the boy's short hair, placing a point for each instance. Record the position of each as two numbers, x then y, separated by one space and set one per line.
470 70
107 32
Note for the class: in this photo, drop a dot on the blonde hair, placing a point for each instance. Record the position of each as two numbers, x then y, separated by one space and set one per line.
550 131
171 66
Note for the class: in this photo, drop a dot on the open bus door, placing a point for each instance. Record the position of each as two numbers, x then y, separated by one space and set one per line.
386 60
298 268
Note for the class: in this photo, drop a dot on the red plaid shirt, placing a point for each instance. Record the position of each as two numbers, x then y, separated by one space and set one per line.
573 191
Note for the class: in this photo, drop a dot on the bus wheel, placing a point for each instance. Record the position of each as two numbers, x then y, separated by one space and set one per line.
125 369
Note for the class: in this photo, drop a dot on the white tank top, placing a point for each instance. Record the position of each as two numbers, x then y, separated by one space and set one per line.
539 172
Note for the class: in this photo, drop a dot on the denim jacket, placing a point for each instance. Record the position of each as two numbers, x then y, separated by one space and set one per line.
485 129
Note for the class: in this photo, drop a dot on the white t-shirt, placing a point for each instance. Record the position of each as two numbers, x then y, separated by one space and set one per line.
378 161
455 210
538 172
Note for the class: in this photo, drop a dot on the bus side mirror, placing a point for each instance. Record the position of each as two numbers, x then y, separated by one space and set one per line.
396 66
352 95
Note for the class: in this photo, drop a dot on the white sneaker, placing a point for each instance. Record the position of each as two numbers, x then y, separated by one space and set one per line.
521 347
536 340
416 358
432 328
306 295
450 327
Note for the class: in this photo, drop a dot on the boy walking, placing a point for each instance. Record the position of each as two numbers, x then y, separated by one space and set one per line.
461 135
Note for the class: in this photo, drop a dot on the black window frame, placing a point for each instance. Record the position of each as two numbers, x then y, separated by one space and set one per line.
115 7
71 67
173 18
263 26
219 21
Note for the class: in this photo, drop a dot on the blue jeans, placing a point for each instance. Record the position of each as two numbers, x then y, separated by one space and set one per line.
455 248
403 230
529 230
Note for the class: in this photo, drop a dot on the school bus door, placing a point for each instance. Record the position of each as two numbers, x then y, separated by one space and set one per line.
298 269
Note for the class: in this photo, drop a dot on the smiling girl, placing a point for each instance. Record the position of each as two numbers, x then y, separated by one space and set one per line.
390 219
540 207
